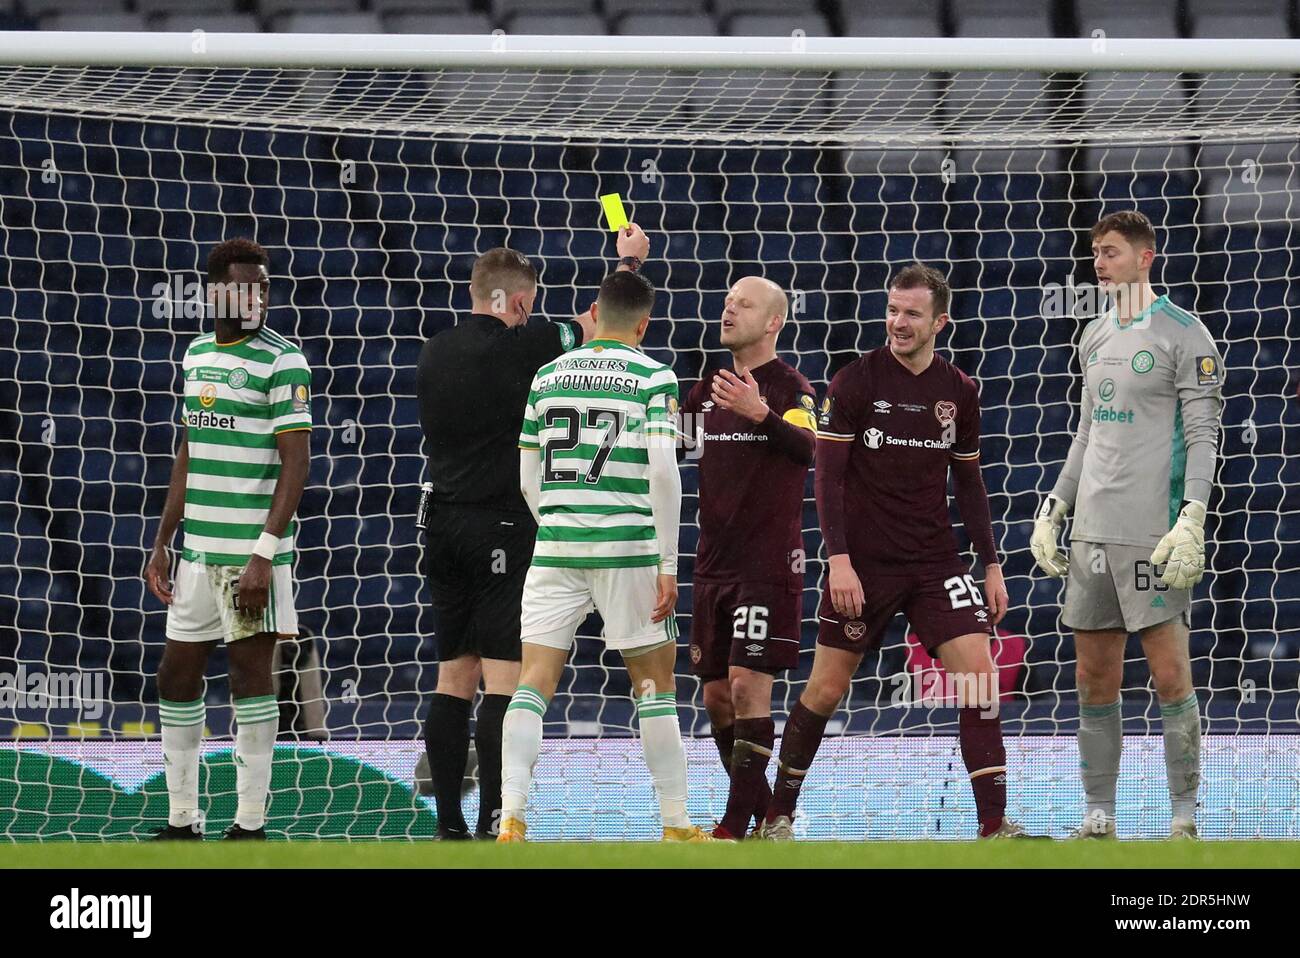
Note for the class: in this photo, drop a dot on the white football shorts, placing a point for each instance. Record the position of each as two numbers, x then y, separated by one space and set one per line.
203 605
557 600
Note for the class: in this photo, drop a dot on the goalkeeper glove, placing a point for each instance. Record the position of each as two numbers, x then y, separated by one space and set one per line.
1047 527
1182 550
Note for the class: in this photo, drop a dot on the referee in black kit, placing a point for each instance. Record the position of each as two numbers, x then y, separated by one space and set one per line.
473 386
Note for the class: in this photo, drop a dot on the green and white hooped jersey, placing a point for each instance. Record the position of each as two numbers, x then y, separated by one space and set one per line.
589 413
238 398
1152 388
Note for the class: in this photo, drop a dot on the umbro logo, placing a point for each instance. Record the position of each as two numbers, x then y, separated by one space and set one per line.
753 649
981 614
706 405
881 405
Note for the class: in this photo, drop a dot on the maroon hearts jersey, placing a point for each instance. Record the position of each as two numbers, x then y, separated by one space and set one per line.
904 429
751 492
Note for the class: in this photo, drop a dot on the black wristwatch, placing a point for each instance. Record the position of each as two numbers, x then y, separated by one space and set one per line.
631 262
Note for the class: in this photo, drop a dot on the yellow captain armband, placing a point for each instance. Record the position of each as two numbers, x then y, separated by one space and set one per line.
803 418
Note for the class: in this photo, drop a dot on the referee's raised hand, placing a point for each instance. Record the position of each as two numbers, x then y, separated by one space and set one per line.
632 241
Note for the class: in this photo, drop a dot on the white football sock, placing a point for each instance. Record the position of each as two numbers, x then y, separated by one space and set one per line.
521 743
661 740
182 735
257 720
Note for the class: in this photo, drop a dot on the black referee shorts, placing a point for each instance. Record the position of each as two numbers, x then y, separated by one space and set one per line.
476 561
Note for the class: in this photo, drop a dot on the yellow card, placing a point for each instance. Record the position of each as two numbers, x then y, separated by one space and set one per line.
614 214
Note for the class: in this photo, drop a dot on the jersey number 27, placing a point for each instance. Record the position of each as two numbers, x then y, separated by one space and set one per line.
573 420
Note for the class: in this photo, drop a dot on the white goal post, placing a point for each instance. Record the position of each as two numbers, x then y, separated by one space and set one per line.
374 168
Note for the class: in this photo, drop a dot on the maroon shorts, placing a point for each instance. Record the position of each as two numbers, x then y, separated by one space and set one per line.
750 624
938 605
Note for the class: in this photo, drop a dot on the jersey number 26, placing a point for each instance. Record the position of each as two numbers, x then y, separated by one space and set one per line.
962 591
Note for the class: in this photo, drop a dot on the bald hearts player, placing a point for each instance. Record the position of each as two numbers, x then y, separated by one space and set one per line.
755 434
893 424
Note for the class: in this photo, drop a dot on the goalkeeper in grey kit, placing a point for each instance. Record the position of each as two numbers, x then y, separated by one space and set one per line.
1138 479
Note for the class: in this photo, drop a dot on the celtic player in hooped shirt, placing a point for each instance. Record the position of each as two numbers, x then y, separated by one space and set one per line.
237 480
598 469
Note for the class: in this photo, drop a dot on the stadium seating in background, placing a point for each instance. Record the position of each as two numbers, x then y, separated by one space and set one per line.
1209 21
269 9
670 24
1001 18
556 24
432 8
812 24
617 9
882 18
375 271
96 22
208 22
1122 18
326 22
725 10
1145 98
40 9
1230 26
883 101
503 10
452 23
962 18
989 104
189 7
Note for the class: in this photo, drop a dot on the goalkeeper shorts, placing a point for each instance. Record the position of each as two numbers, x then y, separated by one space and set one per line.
1114 587
203 605
557 600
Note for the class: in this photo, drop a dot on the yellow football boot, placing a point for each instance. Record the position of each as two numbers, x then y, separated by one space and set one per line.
512 830
691 834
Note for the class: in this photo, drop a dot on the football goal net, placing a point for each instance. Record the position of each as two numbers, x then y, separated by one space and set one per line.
375 168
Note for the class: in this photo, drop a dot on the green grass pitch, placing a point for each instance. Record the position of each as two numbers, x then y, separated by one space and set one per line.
1023 854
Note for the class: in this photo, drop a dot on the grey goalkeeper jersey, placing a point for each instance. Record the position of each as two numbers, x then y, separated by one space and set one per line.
1148 427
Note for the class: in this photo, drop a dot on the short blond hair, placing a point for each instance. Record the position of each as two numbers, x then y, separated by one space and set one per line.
501 268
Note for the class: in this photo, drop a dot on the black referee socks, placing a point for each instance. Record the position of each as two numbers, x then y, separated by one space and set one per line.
487 741
446 740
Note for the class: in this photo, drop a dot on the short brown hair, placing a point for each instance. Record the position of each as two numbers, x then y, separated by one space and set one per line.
625 299
501 268
918 275
1130 224
237 250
